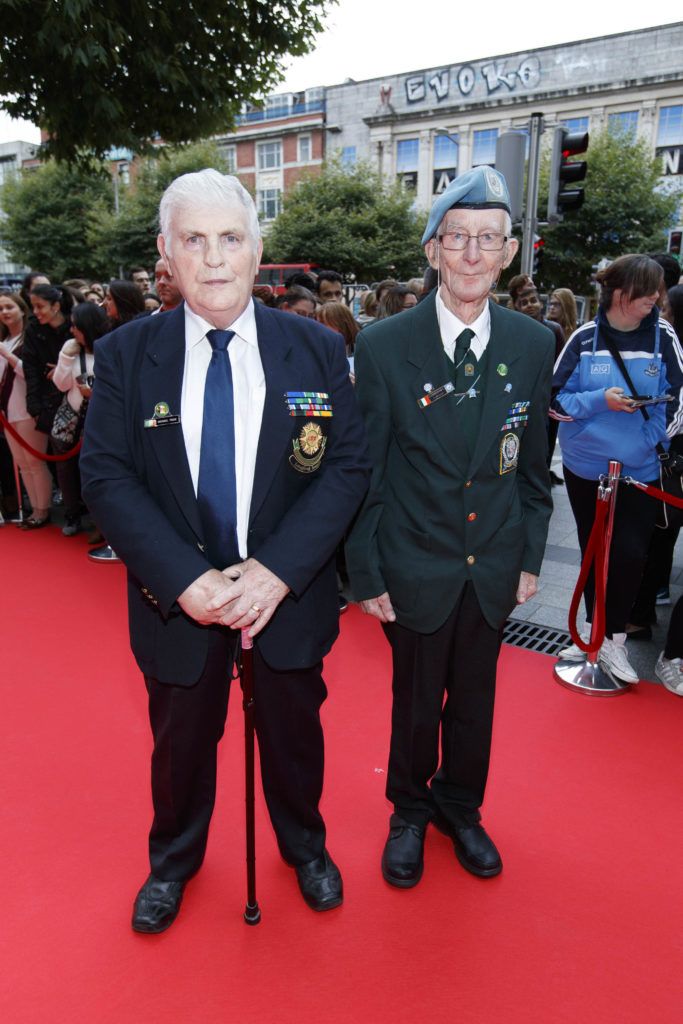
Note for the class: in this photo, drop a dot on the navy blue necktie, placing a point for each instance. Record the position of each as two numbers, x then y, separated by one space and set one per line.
216 487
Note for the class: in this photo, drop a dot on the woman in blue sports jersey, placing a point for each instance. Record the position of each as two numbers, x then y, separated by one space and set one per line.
599 421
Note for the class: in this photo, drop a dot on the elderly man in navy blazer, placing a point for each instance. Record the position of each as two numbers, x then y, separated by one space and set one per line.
224 458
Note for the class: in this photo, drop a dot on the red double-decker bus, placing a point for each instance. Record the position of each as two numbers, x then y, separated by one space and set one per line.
274 274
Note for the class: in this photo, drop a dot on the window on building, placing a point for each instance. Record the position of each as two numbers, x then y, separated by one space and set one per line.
230 156
304 149
484 147
268 200
278 106
8 167
576 124
407 156
624 123
670 130
445 156
348 156
445 151
269 156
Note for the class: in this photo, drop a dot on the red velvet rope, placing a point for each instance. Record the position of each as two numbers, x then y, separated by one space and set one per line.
595 555
655 492
39 455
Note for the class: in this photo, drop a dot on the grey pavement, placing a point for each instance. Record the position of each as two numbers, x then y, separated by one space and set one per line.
561 564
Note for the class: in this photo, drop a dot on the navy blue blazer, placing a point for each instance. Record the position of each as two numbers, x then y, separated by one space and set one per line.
137 484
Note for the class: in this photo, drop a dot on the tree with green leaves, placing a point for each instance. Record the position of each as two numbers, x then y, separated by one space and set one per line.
62 219
129 237
348 219
47 212
101 73
626 209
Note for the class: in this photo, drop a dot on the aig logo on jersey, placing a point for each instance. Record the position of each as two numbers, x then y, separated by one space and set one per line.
600 367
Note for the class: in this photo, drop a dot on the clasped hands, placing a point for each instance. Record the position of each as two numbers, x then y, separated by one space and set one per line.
242 596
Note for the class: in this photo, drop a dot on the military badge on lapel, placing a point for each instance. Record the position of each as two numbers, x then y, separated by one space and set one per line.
309 448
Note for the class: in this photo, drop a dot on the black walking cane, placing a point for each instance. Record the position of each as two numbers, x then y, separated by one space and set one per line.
252 913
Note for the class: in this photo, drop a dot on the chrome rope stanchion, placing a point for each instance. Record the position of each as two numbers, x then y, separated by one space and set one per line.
588 677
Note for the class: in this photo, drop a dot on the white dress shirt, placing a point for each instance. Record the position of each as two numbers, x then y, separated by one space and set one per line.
451 326
249 392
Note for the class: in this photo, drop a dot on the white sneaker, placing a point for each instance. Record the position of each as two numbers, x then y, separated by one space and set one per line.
574 652
670 671
612 656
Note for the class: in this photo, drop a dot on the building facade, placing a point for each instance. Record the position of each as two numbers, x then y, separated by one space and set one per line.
13 157
424 127
274 144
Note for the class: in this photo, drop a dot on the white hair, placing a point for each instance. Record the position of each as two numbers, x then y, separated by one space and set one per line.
206 188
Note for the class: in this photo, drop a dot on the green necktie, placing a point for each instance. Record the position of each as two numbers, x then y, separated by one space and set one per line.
462 347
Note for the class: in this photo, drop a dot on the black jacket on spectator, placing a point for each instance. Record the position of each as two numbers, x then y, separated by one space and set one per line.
42 345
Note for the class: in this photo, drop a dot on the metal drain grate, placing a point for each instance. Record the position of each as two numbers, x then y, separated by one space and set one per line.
533 637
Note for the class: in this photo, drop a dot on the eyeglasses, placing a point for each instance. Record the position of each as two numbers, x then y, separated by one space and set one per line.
489 241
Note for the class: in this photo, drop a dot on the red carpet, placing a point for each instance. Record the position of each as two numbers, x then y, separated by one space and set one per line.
584 801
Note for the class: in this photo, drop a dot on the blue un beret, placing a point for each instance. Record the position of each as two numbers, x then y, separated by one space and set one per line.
482 188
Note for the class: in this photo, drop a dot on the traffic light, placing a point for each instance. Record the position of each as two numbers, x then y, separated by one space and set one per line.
539 245
564 171
674 246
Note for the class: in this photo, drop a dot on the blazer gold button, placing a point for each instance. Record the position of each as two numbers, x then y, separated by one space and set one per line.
471 559
468 483
471 517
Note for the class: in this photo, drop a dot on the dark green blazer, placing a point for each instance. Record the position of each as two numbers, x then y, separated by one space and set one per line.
438 514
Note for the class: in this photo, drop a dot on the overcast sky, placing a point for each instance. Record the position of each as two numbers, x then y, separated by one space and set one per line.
366 39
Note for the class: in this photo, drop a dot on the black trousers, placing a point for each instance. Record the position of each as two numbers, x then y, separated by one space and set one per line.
69 480
187 724
674 637
634 521
457 662
656 574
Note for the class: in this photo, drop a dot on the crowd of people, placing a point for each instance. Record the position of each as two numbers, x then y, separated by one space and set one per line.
47 337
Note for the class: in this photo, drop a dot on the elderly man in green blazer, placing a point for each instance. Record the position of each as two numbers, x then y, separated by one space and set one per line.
455 395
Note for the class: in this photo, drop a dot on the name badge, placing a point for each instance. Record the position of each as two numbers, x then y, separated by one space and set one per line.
162 417
435 394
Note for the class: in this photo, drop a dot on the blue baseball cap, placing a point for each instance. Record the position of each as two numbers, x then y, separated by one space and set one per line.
482 188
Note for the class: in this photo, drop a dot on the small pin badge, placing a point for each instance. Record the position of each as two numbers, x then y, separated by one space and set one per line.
162 417
469 369
502 370
428 387
508 387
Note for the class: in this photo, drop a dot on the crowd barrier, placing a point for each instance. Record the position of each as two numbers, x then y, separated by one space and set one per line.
588 677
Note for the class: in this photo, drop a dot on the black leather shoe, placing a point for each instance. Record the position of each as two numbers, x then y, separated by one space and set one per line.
403 857
320 883
474 848
157 905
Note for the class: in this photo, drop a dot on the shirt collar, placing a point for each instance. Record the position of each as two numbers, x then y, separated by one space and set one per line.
451 326
244 326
